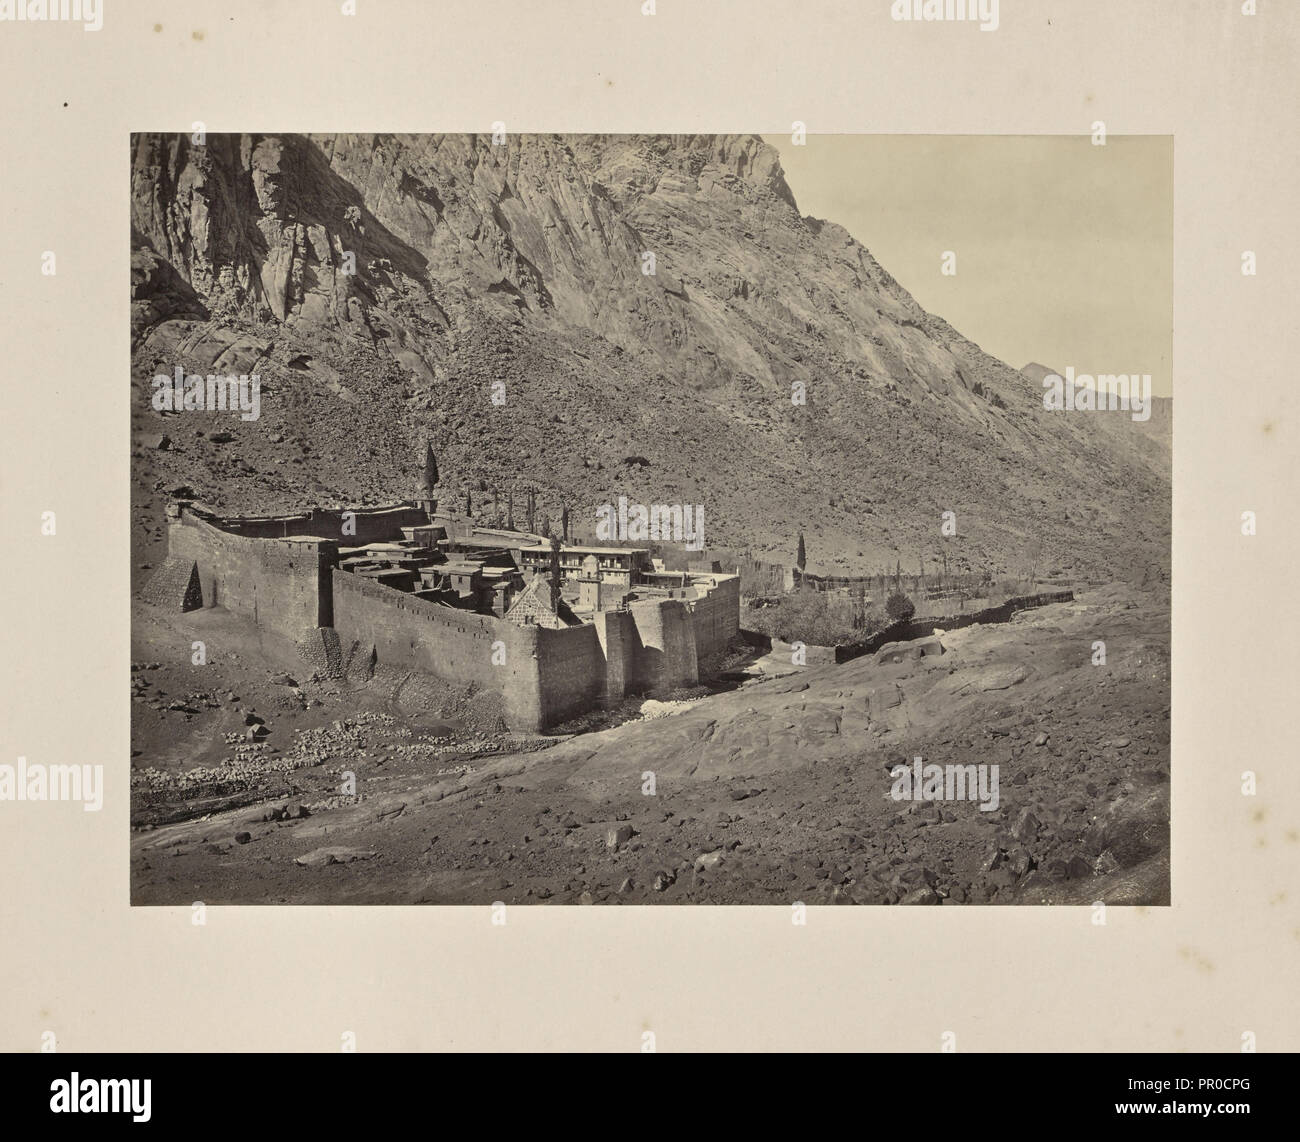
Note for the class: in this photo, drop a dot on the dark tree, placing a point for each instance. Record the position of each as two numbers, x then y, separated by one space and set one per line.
430 467
801 558
899 607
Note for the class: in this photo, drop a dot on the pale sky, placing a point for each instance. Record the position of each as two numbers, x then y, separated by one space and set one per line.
1064 249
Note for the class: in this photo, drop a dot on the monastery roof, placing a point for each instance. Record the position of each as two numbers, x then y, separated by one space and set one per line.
506 533
577 548
533 605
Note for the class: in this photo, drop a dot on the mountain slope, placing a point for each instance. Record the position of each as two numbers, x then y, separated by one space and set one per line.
523 264
1158 427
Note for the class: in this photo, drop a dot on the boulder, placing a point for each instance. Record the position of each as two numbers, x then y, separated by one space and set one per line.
1077 868
904 651
615 838
319 858
1026 826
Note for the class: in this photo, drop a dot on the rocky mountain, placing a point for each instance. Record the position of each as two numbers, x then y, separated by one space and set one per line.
663 324
1158 428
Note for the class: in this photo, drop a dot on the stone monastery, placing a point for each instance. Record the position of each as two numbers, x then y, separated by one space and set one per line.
555 629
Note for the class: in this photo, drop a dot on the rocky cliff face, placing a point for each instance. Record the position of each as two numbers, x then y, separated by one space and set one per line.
380 285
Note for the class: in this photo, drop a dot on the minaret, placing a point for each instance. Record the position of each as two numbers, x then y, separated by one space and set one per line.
428 494
555 574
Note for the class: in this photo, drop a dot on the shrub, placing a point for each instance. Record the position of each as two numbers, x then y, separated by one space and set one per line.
899 607
814 617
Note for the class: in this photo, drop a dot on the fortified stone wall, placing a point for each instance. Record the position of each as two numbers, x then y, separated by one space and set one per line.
457 646
276 583
572 671
616 632
547 676
716 618
664 657
908 629
367 525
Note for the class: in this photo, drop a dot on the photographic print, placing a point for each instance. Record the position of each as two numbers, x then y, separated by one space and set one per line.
650 519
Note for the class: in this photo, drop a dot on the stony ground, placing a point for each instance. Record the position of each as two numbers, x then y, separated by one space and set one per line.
776 791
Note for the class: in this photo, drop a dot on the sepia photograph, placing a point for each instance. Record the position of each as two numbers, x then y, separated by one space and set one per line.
650 519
